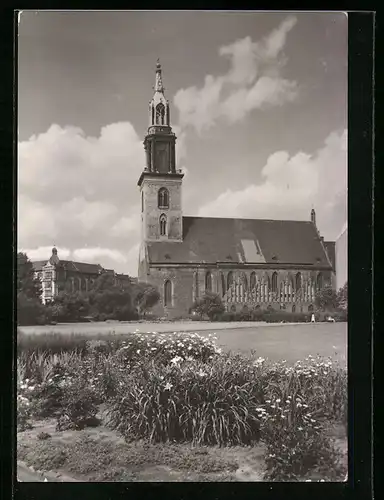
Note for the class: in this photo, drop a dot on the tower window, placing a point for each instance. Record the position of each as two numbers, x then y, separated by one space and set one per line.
163 198
163 225
160 114
167 293
208 282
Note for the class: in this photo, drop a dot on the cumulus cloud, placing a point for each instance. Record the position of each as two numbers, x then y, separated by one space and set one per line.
253 81
77 191
291 185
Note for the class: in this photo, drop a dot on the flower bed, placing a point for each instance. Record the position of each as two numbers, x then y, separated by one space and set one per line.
181 388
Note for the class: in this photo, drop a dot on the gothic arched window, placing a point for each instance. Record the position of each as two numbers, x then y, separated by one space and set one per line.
222 284
163 198
160 114
310 308
274 282
298 281
319 281
196 285
245 282
167 293
229 280
252 281
163 225
293 308
208 282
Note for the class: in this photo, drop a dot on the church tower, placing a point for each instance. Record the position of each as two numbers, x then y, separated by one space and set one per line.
160 182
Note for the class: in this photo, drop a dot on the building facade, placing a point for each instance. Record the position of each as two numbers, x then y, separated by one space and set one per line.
66 275
250 263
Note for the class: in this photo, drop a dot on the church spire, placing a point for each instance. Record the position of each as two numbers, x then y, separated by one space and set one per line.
159 115
159 81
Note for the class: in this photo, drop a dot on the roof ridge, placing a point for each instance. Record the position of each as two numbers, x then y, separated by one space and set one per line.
244 218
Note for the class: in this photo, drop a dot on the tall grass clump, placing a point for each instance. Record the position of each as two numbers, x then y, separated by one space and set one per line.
189 401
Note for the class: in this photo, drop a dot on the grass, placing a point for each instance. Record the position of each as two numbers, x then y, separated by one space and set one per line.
277 342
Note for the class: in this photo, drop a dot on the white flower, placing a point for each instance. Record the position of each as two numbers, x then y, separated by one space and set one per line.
300 428
168 386
201 373
138 351
278 400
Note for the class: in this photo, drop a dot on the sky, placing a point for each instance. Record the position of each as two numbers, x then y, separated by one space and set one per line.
258 104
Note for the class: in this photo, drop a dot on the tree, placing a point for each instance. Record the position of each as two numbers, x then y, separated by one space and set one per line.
27 282
326 299
70 306
210 304
342 297
147 297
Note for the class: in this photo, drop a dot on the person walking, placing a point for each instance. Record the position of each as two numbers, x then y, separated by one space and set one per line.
313 318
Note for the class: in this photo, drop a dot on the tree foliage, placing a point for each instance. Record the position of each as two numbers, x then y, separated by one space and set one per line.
342 297
326 299
146 297
26 281
210 305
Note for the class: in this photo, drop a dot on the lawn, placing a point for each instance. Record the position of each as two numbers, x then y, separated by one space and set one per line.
275 342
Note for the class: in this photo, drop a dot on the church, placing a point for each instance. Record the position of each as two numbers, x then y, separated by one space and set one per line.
250 263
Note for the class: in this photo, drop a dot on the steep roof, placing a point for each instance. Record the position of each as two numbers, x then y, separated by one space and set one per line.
81 267
211 240
38 264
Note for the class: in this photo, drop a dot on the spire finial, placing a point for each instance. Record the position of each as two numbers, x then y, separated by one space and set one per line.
159 83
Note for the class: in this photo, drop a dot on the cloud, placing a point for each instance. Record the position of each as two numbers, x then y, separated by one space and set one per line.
94 254
77 191
290 185
253 81
44 253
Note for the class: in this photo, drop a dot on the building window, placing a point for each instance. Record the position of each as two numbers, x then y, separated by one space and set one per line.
160 114
293 308
167 293
222 284
196 285
163 225
298 282
244 281
229 280
208 282
252 281
310 308
274 282
233 308
163 198
319 281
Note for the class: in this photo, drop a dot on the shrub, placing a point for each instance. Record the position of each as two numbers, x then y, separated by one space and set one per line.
23 413
78 407
30 311
189 401
209 305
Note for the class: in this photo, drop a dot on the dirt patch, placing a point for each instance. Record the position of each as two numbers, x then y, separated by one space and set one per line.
99 454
